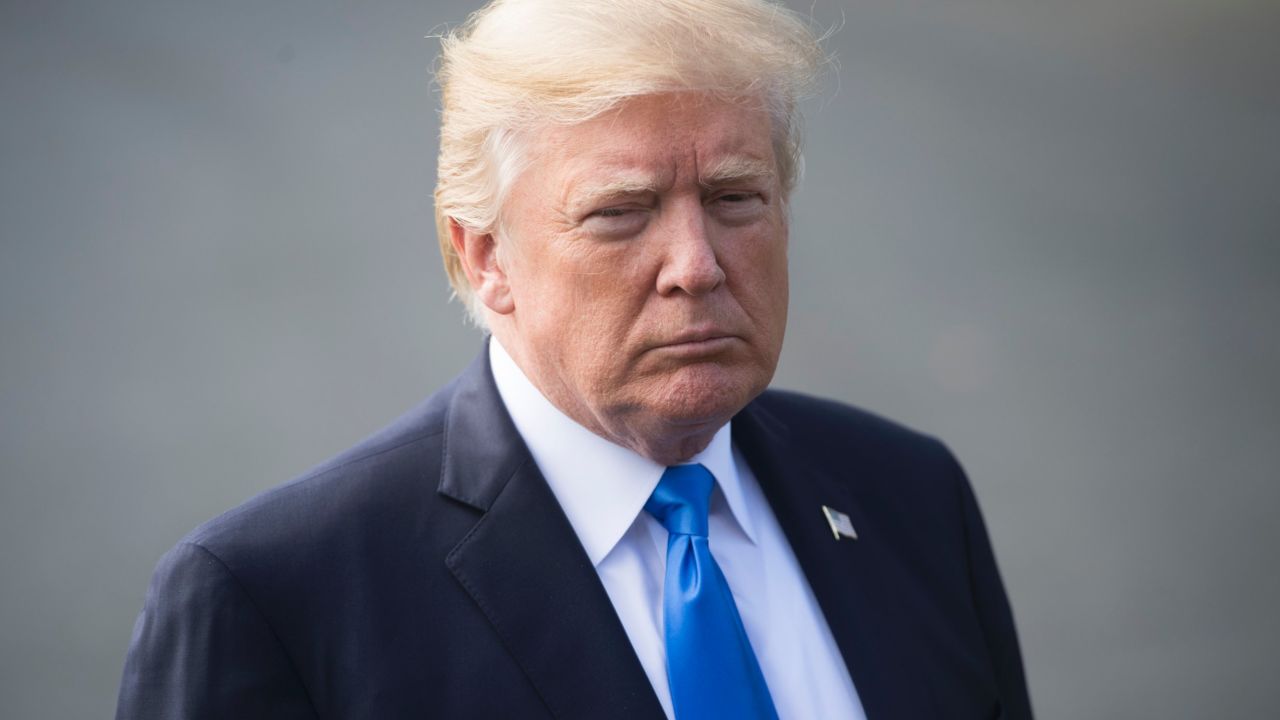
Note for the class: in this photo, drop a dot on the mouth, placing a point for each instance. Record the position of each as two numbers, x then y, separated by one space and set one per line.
698 343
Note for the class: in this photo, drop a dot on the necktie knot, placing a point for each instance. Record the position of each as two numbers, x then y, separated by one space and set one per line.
680 501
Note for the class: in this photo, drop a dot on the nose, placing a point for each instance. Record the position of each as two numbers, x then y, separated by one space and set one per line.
689 264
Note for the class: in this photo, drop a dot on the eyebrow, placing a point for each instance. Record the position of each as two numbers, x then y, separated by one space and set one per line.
610 189
730 170
580 198
736 169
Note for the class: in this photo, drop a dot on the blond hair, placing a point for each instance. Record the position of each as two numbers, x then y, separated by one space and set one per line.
518 64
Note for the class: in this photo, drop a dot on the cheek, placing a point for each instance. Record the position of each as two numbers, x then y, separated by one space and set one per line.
761 269
603 291
773 299
552 286
586 312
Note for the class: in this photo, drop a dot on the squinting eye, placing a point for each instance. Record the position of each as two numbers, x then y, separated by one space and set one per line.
611 212
739 202
615 222
738 208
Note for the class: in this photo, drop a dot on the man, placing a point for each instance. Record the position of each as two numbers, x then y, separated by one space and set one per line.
606 516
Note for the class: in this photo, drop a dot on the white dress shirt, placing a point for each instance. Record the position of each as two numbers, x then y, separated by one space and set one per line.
603 488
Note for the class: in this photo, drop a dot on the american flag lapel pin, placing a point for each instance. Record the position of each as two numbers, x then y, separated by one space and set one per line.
840 523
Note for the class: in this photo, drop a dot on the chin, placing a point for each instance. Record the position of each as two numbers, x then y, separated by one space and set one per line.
707 394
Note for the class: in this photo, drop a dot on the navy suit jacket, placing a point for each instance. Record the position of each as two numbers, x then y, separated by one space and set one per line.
430 573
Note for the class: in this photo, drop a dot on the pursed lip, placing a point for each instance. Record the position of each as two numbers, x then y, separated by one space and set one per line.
700 339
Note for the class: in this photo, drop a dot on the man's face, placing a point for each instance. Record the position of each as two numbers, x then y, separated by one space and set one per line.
646 255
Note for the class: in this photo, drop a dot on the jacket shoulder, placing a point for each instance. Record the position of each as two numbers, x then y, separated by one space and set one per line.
823 425
391 470
275 590
904 472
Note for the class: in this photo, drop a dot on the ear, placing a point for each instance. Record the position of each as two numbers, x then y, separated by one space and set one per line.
479 256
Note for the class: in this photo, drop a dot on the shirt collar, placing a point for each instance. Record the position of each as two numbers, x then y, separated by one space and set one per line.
601 486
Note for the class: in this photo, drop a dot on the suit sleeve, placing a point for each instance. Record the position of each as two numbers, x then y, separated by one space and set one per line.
201 649
992 606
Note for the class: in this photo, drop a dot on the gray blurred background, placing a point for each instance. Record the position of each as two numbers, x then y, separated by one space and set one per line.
1047 232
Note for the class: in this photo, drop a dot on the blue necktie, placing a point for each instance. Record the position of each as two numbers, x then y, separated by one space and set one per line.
710 666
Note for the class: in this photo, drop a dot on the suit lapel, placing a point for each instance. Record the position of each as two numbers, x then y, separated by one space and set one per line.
849 578
524 567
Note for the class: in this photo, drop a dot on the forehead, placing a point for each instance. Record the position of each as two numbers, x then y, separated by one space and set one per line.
659 139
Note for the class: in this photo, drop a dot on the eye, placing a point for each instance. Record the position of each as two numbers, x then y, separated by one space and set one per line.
616 222
611 212
738 207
